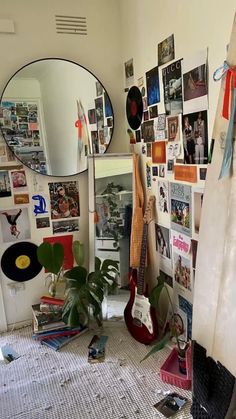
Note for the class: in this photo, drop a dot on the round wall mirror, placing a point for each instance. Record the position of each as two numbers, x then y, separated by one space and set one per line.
53 112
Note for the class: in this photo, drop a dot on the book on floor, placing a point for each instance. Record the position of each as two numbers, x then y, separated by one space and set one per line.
65 331
50 308
57 343
51 300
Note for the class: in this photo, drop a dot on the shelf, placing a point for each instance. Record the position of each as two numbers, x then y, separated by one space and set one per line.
116 193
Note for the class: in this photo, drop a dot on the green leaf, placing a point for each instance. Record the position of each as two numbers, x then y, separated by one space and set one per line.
78 252
108 263
158 346
78 273
51 256
97 263
73 317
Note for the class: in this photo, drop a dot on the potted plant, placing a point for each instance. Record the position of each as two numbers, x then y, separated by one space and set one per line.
171 329
84 291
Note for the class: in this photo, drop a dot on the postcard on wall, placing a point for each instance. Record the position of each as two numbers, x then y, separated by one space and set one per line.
162 170
153 88
181 208
42 222
164 249
182 270
180 243
173 150
148 175
21 198
161 122
19 181
153 112
129 72
166 50
163 196
147 131
15 225
66 242
170 166
185 173
64 198
173 128
5 186
197 208
195 137
149 149
159 152
172 86
67 226
194 70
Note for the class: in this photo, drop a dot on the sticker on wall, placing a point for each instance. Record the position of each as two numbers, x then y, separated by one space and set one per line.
15 224
195 138
5 187
67 226
181 208
172 87
194 70
40 207
166 50
64 198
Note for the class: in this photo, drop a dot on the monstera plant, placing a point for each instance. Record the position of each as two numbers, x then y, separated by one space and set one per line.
84 291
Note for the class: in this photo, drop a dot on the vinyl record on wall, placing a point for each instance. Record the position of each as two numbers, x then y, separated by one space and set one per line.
134 107
20 263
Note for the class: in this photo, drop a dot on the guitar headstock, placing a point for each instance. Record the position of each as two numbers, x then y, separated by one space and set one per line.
149 212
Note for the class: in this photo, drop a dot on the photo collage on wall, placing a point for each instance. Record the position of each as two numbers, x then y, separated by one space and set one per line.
20 125
173 140
100 119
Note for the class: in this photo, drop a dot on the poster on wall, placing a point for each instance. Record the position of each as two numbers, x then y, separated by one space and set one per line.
5 187
159 152
153 88
166 50
181 208
66 242
15 225
195 137
182 270
194 70
67 226
172 87
64 199
163 196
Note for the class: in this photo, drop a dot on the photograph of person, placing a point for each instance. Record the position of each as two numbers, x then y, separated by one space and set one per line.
163 196
163 240
195 84
182 273
64 199
15 224
195 138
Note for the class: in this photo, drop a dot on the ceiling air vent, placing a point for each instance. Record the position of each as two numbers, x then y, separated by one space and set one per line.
74 25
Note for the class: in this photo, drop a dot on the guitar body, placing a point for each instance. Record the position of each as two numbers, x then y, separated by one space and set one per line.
139 316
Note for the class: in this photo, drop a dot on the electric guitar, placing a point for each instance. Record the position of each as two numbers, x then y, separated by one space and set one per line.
139 316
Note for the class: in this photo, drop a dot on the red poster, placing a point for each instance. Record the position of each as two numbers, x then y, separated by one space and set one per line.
66 241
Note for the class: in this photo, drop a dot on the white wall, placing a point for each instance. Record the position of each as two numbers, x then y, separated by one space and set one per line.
99 51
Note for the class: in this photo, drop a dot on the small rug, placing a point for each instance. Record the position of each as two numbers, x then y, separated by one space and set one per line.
43 384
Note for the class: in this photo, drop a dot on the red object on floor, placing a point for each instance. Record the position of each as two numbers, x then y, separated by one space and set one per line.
169 371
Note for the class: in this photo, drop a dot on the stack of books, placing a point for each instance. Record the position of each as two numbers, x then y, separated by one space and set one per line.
48 326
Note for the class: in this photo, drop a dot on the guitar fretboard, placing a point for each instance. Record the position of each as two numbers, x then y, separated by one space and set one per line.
142 264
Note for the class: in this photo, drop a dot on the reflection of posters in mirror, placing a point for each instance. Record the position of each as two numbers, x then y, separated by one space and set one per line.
159 152
147 131
92 116
153 89
67 226
110 122
64 198
129 72
153 111
5 187
99 88
66 242
101 136
42 222
99 112
95 143
194 69
163 196
19 179
22 198
166 50
172 86
108 107
15 224
195 138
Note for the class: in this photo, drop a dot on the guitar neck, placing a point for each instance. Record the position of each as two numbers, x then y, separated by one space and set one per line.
142 264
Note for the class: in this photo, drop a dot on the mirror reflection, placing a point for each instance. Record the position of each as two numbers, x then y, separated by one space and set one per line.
54 112
113 197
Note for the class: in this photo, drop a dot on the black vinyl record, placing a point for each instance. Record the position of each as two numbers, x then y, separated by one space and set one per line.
134 107
20 263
